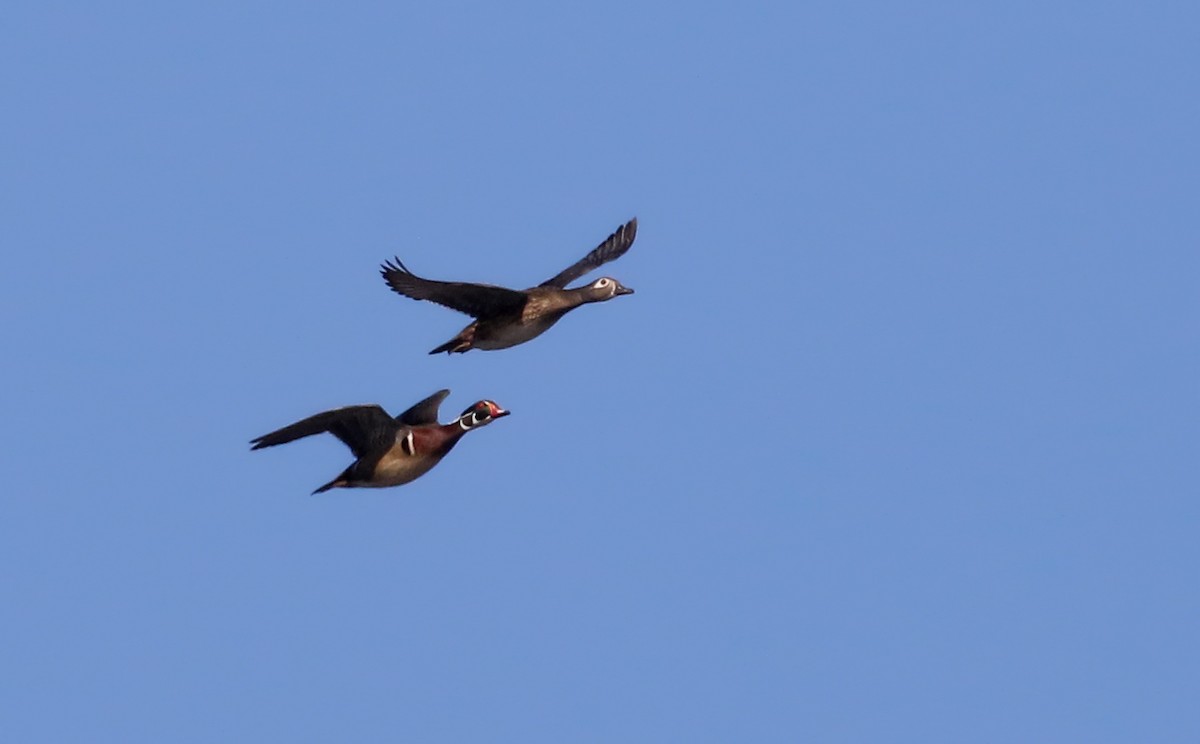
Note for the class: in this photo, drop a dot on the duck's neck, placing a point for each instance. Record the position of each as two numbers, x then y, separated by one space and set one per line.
439 440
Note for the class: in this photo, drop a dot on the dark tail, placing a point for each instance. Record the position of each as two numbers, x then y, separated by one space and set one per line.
337 482
460 344
342 481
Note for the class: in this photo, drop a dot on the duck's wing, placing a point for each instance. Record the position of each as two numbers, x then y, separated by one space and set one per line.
476 300
425 412
613 247
364 429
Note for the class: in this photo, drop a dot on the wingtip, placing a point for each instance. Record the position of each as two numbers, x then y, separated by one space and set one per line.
392 265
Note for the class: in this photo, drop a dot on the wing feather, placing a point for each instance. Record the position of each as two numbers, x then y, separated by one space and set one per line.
364 429
476 300
613 247
425 412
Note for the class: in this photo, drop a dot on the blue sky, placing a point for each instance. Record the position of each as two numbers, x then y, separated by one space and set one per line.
897 440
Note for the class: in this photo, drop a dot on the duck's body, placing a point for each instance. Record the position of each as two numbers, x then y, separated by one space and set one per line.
495 334
388 451
543 308
508 317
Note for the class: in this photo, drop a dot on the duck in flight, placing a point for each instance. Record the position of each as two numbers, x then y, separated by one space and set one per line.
507 317
388 451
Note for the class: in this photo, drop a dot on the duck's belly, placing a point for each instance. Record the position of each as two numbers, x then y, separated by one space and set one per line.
490 337
397 468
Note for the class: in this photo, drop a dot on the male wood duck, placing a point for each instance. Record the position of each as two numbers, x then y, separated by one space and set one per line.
507 317
389 451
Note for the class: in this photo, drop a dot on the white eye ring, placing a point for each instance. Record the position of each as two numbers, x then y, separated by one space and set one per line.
602 284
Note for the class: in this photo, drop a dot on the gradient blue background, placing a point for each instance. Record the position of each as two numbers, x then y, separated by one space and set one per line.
897 440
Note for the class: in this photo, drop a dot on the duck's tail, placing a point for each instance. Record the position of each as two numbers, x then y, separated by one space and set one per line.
335 483
460 344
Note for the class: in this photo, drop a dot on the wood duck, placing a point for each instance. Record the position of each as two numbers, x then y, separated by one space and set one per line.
507 317
389 451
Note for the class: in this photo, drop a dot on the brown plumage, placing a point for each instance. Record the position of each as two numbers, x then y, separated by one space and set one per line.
388 451
507 317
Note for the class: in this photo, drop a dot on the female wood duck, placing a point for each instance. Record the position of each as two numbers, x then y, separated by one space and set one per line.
389 451
507 317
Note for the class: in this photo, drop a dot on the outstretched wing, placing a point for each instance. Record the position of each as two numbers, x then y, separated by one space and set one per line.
364 429
613 247
425 412
477 300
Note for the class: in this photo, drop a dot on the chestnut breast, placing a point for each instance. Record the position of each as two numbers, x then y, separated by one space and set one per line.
414 453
